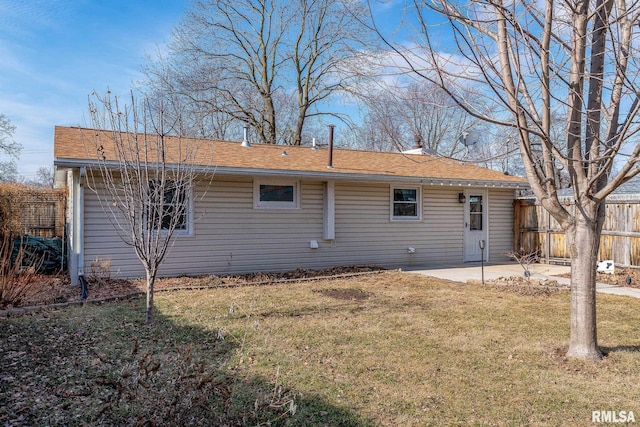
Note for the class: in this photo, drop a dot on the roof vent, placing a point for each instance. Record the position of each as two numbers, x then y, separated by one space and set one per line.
417 141
245 140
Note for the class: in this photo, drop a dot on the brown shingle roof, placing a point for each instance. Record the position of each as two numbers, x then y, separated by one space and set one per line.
75 146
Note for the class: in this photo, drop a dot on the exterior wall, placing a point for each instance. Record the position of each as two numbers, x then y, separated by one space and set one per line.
101 240
501 224
231 236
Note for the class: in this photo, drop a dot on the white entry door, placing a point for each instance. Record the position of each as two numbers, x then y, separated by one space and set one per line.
475 225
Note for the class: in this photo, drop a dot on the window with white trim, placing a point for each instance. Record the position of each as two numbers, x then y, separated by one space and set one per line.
170 207
405 203
276 194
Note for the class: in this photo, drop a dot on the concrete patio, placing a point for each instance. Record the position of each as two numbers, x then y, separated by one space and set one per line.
474 271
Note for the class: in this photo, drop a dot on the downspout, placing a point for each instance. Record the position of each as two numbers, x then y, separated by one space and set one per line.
80 232
69 221
329 211
77 276
72 227
83 177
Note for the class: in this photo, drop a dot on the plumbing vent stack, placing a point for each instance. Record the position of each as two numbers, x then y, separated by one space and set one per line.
245 140
330 165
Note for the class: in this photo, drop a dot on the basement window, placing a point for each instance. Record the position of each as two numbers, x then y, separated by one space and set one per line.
269 194
405 204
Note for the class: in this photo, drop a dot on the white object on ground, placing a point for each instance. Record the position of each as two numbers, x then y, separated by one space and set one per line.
607 267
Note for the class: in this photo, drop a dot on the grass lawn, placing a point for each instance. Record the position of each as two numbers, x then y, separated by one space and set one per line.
391 349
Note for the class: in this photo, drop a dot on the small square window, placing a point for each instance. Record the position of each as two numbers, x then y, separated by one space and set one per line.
405 204
276 194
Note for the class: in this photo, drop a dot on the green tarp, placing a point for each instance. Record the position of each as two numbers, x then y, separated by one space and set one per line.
46 255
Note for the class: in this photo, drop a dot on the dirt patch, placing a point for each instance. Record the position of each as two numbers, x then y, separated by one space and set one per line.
350 294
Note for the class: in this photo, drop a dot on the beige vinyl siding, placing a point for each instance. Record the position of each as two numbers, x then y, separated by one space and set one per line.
500 224
101 240
230 236
444 217
366 235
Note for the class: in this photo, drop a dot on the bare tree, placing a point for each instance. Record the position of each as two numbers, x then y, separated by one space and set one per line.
9 171
145 175
532 60
7 145
45 177
271 64
399 113
10 148
325 52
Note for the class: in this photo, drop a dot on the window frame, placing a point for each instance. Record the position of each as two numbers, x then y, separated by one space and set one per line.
188 212
392 202
260 204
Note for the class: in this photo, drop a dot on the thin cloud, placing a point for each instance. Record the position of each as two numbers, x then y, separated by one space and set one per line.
20 17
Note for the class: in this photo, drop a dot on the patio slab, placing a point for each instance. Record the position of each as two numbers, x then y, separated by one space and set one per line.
474 271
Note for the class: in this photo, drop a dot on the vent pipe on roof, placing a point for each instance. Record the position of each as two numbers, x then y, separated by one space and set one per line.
330 165
245 140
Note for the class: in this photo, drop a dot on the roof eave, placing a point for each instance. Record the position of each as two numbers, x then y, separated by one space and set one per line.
330 174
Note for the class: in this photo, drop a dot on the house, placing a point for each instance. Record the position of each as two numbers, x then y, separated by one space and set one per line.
276 208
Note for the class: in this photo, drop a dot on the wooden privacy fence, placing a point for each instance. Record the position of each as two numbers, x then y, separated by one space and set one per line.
536 230
34 211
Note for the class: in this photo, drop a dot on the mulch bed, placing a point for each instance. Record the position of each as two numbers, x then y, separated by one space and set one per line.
48 290
627 277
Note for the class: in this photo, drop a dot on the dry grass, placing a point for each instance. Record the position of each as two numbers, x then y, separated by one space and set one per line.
401 350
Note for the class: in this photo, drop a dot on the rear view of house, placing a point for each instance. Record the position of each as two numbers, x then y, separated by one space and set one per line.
276 208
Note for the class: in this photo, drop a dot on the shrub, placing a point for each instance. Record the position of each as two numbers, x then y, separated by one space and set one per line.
15 277
100 270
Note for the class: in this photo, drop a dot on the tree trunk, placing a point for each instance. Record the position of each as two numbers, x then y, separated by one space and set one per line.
584 243
270 116
297 137
151 278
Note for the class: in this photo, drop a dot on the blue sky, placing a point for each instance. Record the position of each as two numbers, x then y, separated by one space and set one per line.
54 53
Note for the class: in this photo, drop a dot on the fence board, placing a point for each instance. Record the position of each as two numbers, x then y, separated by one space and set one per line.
536 230
38 212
